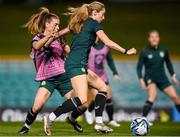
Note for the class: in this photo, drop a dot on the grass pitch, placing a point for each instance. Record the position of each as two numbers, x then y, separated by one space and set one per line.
64 129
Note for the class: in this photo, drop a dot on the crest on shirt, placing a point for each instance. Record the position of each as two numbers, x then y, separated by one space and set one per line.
161 54
150 56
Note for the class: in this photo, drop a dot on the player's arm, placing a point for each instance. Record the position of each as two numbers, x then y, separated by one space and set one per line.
63 32
112 66
140 65
42 42
170 68
104 38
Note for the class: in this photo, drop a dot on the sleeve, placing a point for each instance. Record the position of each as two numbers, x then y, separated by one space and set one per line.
169 63
36 38
140 65
97 26
111 64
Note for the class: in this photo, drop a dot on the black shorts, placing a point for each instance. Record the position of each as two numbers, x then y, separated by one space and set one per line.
160 83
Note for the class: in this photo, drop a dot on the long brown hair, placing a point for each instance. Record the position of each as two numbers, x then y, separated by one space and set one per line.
36 23
80 14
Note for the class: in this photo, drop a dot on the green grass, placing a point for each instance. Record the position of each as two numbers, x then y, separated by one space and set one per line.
64 129
127 24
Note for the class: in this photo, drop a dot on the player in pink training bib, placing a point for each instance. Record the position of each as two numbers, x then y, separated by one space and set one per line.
48 61
99 54
47 51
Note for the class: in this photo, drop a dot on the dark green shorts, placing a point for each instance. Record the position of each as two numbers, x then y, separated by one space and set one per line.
61 83
75 71
160 83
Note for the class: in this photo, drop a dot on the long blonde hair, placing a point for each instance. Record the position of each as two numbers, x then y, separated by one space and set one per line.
80 14
36 23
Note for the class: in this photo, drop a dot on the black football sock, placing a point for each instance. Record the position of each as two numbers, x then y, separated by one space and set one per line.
67 106
178 108
109 109
91 106
147 108
76 113
31 116
100 101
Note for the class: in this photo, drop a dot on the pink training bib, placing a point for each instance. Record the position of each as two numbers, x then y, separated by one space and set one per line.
49 62
96 61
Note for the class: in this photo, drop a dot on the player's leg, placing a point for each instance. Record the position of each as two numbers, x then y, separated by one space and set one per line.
71 119
110 108
89 114
100 100
171 92
80 87
41 97
79 84
91 105
152 94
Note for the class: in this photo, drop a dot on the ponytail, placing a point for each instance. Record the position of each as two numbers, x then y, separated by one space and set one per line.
77 17
36 23
80 14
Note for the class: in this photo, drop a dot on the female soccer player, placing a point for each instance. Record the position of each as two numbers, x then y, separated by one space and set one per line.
85 25
97 57
47 53
153 58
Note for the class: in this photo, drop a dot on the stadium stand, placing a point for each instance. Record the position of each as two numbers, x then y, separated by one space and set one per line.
18 88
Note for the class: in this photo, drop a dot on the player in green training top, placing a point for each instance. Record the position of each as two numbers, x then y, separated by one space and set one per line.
153 58
85 25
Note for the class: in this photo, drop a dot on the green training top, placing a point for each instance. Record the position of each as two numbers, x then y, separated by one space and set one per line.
82 42
153 60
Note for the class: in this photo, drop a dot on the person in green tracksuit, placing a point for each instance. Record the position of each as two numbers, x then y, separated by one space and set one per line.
153 59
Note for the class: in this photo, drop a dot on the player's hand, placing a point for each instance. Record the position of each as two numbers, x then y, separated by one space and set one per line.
143 85
175 80
117 77
131 51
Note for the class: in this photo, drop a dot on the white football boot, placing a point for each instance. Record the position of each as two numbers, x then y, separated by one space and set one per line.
89 117
114 123
100 127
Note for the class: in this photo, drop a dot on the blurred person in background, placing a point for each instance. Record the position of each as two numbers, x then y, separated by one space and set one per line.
99 54
153 58
47 52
